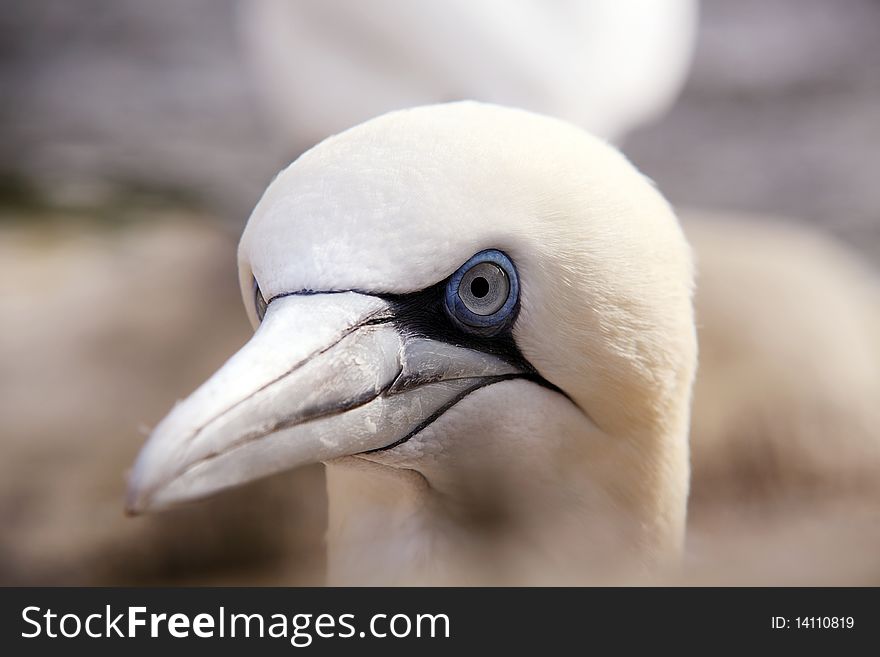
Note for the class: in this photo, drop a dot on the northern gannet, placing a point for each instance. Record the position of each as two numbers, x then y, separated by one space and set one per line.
461 309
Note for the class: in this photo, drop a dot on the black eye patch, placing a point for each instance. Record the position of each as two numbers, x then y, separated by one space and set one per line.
422 314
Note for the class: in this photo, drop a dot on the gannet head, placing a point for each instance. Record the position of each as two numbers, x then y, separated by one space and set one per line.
447 286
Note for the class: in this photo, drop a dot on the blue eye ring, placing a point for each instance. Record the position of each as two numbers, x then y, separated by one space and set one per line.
483 324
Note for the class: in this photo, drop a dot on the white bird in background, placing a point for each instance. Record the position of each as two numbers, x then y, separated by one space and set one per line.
480 319
785 428
607 66
786 400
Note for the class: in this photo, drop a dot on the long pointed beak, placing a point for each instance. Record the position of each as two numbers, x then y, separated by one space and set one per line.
324 376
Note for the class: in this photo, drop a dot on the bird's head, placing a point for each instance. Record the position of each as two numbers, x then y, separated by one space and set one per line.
445 285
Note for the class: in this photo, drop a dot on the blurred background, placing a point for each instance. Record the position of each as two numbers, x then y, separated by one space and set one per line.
136 137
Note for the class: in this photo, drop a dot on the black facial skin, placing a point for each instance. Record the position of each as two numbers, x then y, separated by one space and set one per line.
423 314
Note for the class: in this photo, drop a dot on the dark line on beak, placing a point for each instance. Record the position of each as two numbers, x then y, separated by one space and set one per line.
452 402
317 413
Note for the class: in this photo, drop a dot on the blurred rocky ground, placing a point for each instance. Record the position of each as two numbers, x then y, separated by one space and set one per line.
102 94
132 148
780 114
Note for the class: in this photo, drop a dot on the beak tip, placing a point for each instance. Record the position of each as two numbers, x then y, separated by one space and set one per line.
135 503
140 494
147 482
149 495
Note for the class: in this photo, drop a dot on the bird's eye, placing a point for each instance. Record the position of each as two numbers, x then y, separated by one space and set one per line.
484 288
482 296
259 301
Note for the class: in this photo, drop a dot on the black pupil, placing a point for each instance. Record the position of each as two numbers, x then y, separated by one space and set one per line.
479 287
